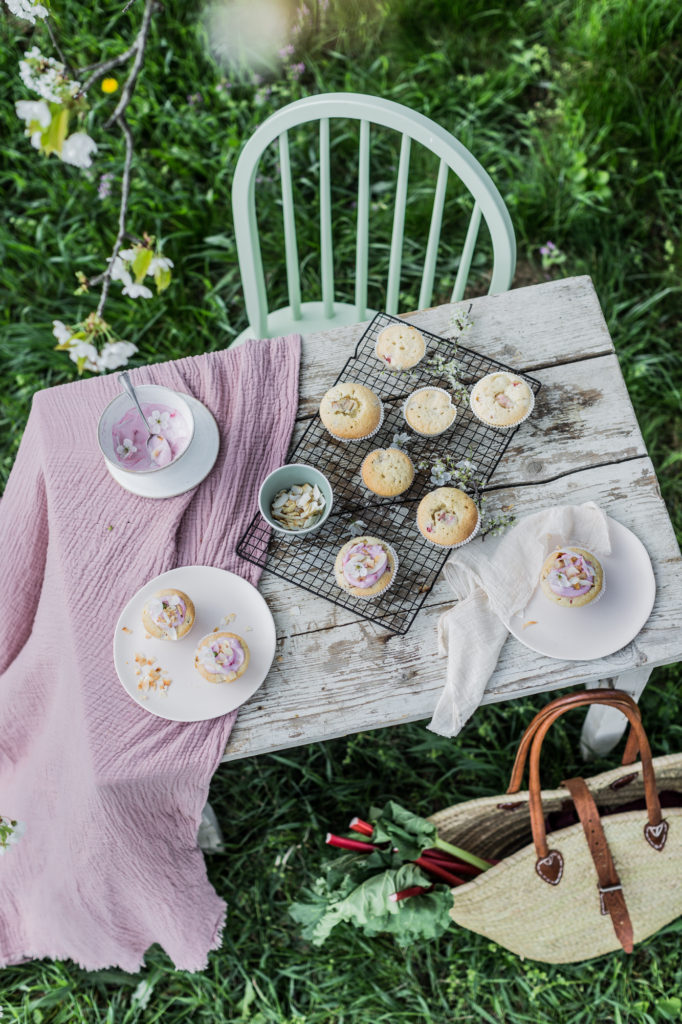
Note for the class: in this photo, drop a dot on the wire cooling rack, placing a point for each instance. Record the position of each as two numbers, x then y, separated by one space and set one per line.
309 561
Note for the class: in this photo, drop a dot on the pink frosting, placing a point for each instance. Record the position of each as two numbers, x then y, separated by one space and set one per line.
223 656
364 564
129 433
576 569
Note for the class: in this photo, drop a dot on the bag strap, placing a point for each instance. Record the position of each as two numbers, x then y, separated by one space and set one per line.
612 698
611 895
655 831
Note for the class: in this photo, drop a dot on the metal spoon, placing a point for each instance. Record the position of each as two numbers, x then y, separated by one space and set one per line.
158 447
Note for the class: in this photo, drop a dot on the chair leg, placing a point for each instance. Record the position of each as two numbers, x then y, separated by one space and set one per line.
604 726
209 837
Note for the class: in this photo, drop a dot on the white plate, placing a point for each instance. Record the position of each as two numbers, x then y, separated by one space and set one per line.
601 628
216 593
196 463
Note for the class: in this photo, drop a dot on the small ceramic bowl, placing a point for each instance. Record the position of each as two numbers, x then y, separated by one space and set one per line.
286 477
148 394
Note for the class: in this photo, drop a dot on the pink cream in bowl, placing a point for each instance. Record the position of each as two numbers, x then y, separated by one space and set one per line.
129 436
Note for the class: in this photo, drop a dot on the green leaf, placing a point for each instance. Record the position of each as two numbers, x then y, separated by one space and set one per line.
140 266
671 1008
162 278
52 139
409 832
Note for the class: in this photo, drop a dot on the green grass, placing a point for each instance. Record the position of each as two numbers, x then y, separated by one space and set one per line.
574 107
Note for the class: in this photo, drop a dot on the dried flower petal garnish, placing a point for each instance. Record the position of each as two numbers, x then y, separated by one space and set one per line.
531 622
299 507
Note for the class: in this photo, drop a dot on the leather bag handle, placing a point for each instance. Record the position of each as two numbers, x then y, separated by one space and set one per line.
610 697
550 863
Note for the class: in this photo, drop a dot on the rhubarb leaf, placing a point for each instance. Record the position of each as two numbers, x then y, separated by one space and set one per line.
367 905
409 832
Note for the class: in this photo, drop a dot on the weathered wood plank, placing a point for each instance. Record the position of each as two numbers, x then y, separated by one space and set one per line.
542 325
332 681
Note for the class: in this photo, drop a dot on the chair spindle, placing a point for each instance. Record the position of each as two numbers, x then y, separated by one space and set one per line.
326 252
467 253
362 242
426 290
290 244
396 259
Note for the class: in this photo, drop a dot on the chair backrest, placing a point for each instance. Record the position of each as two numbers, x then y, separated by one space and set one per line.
488 204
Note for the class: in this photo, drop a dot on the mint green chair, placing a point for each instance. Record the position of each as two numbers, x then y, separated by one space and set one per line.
307 317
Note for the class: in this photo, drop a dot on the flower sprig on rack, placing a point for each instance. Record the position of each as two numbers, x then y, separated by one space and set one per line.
447 470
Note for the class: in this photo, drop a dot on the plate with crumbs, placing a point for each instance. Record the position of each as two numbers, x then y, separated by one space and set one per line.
602 627
222 601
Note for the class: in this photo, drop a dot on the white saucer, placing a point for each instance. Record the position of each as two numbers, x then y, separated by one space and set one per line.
604 626
196 463
216 594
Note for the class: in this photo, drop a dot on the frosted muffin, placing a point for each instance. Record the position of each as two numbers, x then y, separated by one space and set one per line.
572 577
400 346
447 517
387 472
365 566
168 615
429 411
222 657
351 411
501 400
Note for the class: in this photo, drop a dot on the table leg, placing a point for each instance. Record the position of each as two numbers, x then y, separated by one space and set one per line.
604 726
210 836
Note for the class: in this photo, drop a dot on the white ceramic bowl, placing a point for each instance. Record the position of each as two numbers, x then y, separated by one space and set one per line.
285 477
121 404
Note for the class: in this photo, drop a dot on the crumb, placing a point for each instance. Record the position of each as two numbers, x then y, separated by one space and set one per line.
124 629
137 671
249 629
140 658
215 629
531 622
227 619
147 636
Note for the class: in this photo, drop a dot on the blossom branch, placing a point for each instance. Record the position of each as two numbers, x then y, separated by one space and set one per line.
123 210
139 46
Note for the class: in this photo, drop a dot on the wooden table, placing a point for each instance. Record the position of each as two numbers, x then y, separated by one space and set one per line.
335 673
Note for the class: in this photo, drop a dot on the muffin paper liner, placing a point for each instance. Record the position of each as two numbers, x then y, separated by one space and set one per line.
414 473
365 437
421 433
379 593
503 426
450 547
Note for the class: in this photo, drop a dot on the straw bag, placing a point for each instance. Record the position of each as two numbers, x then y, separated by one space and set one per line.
609 880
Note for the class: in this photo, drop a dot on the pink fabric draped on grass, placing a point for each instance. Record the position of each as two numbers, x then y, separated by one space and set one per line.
111 795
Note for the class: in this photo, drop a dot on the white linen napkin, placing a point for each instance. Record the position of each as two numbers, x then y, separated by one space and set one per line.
491 588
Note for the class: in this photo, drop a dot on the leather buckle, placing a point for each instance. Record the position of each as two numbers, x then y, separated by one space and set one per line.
603 890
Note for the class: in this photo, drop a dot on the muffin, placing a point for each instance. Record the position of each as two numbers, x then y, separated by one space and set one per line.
572 577
351 411
501 400
365 566
429 411
400 346
387 472
168 615
221 657
447 517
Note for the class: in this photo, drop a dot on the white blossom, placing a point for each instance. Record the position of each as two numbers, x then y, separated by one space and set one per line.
32 111
47 76
61 332
127 254
27 10
158 422
136 291
10 832
119 271
159 263
77 148
115 354
87 351
126 449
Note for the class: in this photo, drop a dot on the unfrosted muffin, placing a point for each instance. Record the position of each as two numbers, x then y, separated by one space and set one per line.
365 566
168 615
501 400
400 346
387 471
572 577
351 411
429 411
447 517
222 657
